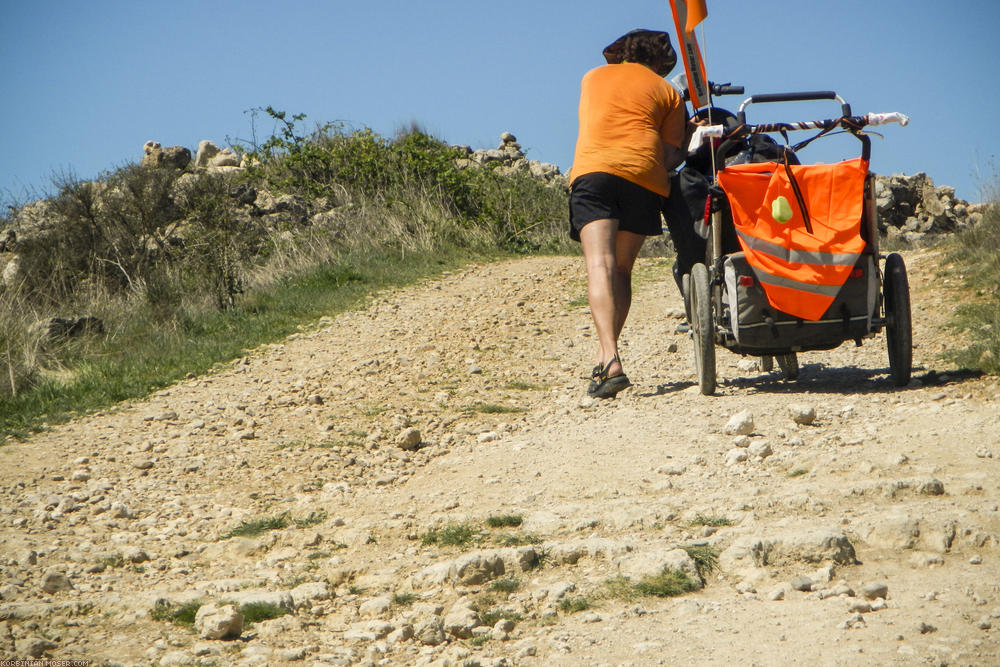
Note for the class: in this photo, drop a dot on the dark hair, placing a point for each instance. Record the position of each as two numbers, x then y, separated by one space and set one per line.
647 48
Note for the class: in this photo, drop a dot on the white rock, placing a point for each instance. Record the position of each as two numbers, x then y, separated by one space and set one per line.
740 424
736 455
409 439
429 631
312 590
280 599
643 564
213 622
375 606
811 545
760 448
802 413
460 620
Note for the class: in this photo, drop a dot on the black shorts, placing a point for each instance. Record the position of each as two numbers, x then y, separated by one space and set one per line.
599 196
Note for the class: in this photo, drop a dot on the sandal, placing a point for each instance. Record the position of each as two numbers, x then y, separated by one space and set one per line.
607 386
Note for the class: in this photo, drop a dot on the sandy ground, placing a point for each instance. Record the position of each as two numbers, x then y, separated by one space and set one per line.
489 364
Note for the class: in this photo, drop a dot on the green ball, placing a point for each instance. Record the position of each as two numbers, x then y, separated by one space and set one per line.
781 210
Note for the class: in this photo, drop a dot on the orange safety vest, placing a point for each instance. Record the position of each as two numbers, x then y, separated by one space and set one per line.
800 270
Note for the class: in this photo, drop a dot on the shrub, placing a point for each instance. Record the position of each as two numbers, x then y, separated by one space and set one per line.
976 252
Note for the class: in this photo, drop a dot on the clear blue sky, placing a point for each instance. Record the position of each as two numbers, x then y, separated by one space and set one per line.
85 84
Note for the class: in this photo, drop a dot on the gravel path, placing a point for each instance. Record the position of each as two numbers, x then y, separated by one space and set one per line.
869 536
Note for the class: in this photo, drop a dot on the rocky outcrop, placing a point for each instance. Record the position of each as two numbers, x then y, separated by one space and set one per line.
171 157
509 159
911 208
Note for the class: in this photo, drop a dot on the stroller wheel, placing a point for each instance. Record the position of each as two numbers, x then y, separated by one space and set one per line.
703 329
898 330
789 365
686 293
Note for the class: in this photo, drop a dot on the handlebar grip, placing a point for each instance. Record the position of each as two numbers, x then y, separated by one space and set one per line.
794 97
726 89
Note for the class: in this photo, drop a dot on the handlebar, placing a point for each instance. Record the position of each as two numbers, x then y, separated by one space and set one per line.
805 96
714 89
725 89
704 132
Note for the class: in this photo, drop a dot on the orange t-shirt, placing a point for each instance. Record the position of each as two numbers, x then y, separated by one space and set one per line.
627 113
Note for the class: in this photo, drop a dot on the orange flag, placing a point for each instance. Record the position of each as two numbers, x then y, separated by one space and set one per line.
696 13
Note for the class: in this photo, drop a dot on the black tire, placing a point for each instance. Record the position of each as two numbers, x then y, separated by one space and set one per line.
686 293
898 328
703 329
766 363
789 365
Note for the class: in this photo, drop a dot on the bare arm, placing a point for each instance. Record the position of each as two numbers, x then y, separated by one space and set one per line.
674 156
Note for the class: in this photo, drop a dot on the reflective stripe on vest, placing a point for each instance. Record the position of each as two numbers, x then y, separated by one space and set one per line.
799 256
779 281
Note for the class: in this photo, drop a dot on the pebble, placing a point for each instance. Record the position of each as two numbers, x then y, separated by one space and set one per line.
976 560
142 463
409 439
802 414
54 581
925 628
737 455
761 449
801 584
874 590
855 621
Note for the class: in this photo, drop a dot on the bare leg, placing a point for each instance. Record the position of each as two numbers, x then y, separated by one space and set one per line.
627 246
597 239
609 255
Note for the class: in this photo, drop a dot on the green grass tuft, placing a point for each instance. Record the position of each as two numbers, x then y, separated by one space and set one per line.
520 385
452 535
505 520
257 527
714 521
706 559
313 519
669 583
254 612
575 605
495 409
178 614
404 599
506 585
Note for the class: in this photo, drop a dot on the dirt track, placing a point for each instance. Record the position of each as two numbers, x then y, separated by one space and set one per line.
489 365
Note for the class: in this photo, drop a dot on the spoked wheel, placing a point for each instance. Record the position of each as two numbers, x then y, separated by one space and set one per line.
703 329
898 328
766 363
789 365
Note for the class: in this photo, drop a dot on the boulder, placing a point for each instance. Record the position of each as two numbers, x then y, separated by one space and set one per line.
171 157
644 564
206 151
213 622
810 545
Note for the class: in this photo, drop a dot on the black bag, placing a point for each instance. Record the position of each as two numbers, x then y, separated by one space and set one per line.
760 328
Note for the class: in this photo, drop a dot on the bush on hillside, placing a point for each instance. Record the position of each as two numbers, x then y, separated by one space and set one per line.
977 252
147 246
